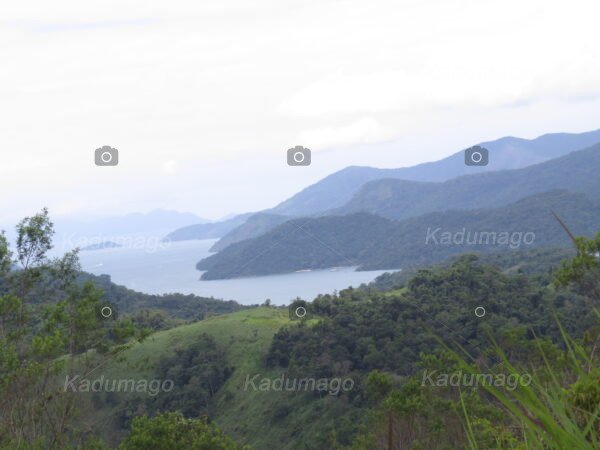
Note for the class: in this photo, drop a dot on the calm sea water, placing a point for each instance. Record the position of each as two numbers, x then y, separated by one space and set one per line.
170 267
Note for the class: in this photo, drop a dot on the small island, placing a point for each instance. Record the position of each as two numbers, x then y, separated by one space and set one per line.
101 246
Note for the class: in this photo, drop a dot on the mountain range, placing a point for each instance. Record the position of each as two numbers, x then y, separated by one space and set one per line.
384 224
339 188
209 230
505 153
372 242
400 199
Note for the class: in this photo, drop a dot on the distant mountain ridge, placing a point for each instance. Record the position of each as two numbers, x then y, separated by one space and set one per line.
470 199
339 188
375 243
505 153
209 230
74 232
400 199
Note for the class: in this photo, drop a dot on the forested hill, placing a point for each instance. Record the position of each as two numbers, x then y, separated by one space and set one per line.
181 306
400 199
256 225
373 242
382 341
367 368
298 244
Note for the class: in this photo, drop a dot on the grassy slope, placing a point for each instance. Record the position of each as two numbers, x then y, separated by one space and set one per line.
254 417
250 416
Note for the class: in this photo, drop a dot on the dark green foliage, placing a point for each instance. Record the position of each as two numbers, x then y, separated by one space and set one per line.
536 261
584 268
378 386
560 409
584 394
192 375
292 246
382 336
390 280
172 431
152 319
48 327
415 242
181 306
34 239
51 326
5 255
198 371
363 331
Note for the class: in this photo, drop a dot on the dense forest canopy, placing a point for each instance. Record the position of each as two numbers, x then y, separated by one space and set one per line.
415 365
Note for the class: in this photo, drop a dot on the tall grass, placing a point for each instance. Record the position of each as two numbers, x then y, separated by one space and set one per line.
551 412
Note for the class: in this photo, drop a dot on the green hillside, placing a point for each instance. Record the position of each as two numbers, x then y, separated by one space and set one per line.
244 336
181 306
358 333
382 343
254 341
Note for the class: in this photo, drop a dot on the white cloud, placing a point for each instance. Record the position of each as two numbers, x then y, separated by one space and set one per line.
171 167
365 130
223 88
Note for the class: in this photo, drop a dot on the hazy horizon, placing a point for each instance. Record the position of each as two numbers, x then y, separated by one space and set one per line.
203 100
91 216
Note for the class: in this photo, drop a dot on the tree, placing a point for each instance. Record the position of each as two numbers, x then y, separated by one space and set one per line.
172 431
584 268
34 239
5 254
48 325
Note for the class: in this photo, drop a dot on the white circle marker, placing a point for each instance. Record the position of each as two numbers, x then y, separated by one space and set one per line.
299 160
476 157
480 311
106 312
300 311
107 159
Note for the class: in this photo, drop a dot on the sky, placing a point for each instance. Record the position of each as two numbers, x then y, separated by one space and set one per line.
202 99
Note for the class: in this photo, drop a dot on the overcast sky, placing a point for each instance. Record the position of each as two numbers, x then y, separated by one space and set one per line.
203 99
